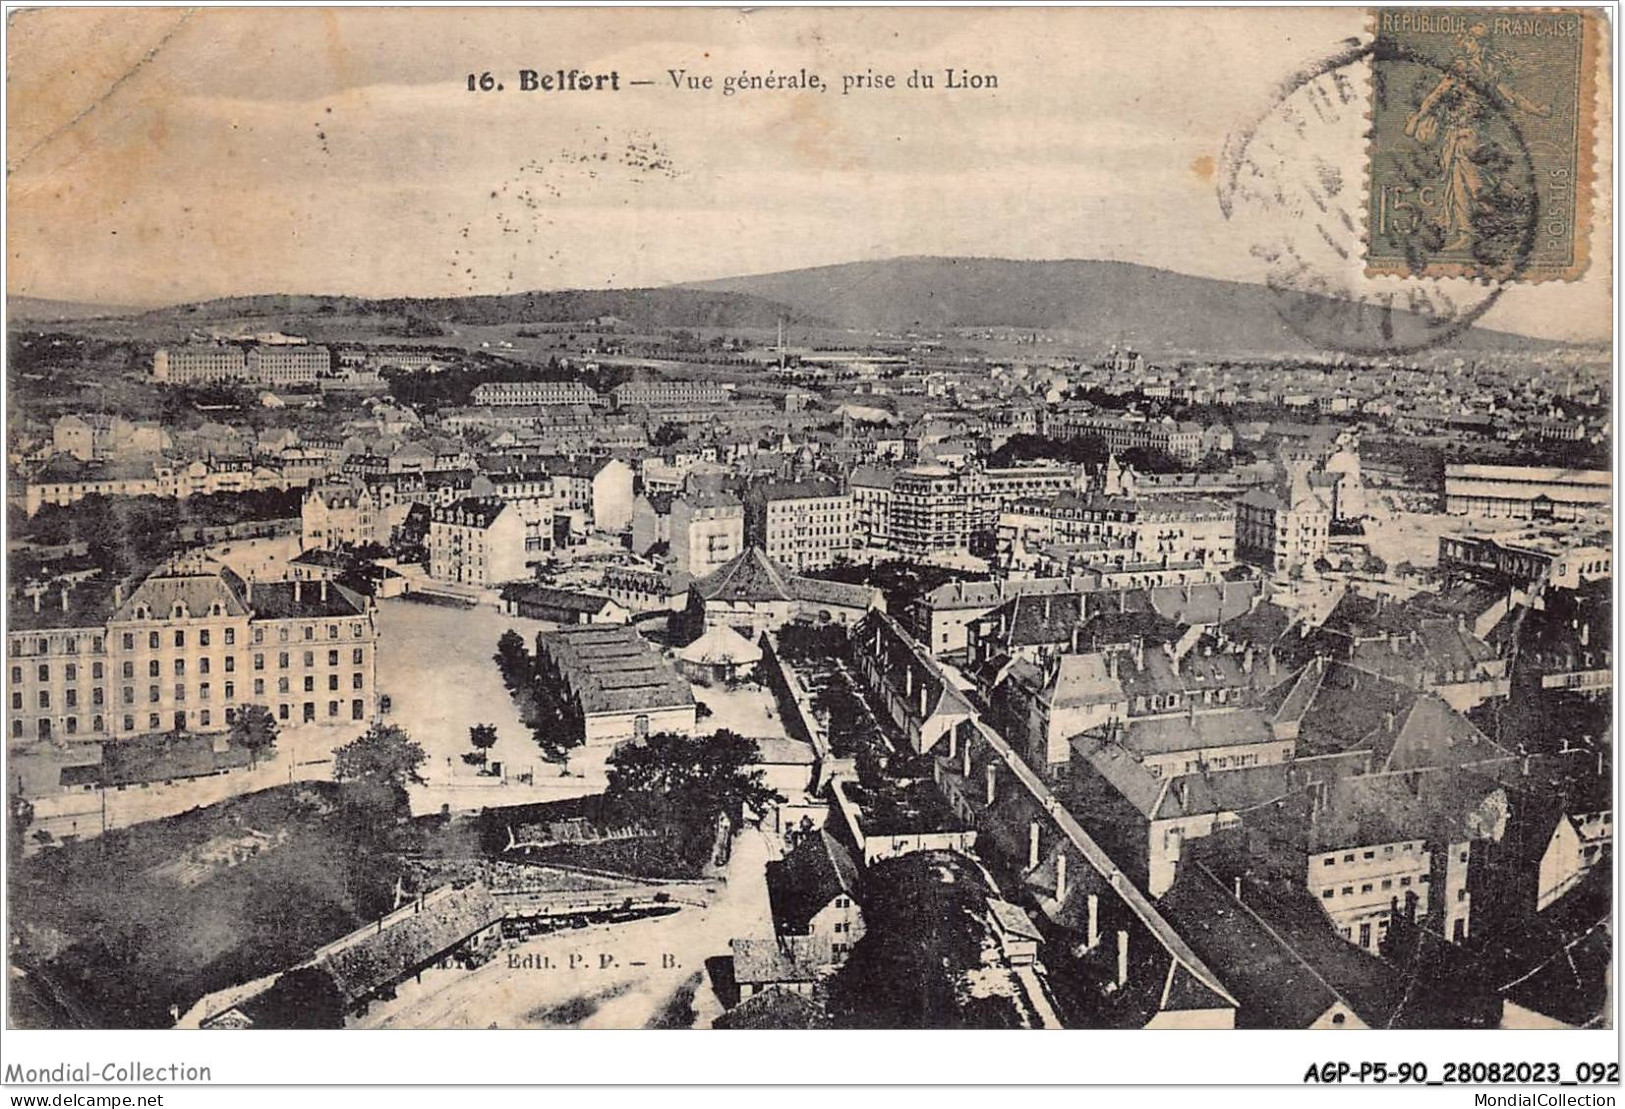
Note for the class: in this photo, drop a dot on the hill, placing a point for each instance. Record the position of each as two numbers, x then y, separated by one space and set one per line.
639 308
38 309
1154 310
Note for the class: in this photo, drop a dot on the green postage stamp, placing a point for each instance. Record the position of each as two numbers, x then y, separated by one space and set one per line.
1481 147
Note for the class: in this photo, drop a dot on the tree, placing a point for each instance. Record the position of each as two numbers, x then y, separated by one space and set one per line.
483 737
373 770
688 776
20 812
511 658
255 729
667 435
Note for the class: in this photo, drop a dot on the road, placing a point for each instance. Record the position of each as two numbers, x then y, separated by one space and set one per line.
606 976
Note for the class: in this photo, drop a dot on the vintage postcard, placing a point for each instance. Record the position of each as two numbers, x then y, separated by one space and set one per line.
802 518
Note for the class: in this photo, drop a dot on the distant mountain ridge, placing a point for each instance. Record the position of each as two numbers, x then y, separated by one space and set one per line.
1153 310
648 307
40 308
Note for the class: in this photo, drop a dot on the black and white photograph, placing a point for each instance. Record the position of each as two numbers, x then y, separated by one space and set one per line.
811 519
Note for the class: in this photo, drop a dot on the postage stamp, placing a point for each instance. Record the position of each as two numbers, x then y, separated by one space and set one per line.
1480 155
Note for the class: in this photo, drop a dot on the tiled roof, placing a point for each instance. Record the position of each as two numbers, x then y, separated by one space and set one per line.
804 882
379 954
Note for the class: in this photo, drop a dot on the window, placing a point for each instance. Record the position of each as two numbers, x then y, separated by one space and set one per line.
282 712
203 718
152 668
310 683
1370 855
282 685
16 675
259 662
332 631
231 690
358 657
332 683
1423 879
1348 891
259 687
152 644
355 631
357 681
332 708
1405 881
96 672
73 698
1461 895
129 723
17 699
44 673
129 695
180 638
180 691
203 691
231 637
1387 883
310 632
259 635
202 666
71 673
153 721
357 709
231 663
44 698
310 659
203 638
282 660
282 634
1327 894
129 645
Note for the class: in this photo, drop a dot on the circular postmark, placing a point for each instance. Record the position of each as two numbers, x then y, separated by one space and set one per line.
1443 176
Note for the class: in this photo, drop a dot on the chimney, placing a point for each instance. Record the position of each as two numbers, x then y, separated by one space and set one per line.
1238 887
1585 634
992 781
1111 665
1274 663
1094 921
1182 790
965 750
324 589
1032 845
36 599
64 598
1526 765
1122 958
298 591
1247 659
1139 653
1060 875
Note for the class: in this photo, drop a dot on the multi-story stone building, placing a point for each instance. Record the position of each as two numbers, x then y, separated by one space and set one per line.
870 488
929 513
271 364
481 542
802 525
338 515
1175 530
1182 441
1283 528
707 531
186 649
670 394
539 393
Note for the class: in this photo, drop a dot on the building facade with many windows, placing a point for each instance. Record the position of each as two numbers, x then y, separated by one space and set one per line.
186 650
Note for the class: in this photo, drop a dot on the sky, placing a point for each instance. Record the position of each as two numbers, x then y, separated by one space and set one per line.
160 156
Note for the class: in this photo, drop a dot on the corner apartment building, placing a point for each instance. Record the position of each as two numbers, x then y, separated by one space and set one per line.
338 515
929 512
1281 529
803 525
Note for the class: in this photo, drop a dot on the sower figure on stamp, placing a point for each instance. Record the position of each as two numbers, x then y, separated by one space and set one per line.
1457 110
